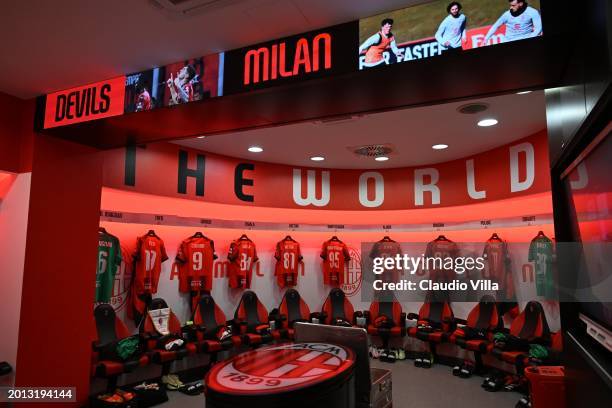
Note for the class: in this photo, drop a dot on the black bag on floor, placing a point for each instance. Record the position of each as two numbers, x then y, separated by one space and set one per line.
151 397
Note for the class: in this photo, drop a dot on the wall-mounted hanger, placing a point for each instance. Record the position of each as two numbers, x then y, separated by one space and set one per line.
495 236
288 238
334 238
151 233
442 238
102 229
198 235
243 236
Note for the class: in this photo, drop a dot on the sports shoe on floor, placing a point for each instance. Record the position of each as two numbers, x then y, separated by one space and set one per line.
172 382
111 398
390 356
192 389
524 402
494 383
126 395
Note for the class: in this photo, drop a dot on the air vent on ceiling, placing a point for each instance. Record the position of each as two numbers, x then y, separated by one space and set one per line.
187 7
338 120
472 108
373 150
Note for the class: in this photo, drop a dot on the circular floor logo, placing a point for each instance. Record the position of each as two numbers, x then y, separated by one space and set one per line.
281 368
352 275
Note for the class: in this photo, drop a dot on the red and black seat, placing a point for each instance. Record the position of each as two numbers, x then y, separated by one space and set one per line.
385 318
155 341
337 310
530 327
251 320
292 309
476 332
210 329
514 346
109 330
435 324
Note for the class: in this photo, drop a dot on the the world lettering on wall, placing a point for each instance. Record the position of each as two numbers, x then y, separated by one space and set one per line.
517 169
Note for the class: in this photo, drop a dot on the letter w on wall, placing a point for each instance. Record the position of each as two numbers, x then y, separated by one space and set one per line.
311 188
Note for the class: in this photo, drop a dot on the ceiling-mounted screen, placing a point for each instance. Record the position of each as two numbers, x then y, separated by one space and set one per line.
441 27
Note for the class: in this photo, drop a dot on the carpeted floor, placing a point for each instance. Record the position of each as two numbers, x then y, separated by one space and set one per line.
414 387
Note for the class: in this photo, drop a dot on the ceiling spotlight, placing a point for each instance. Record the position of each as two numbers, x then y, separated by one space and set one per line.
440 146
487 122
523 92
317 158
381 158
255 149
201 137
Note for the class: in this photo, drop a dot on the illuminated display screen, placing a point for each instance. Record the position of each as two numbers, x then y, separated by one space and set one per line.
440 27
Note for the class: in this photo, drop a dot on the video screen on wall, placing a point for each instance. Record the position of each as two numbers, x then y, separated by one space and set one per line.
182 82
439 27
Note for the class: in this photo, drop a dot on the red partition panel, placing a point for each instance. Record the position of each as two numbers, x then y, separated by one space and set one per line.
55 328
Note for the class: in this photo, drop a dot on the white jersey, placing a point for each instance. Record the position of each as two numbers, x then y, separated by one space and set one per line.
526 25
451 29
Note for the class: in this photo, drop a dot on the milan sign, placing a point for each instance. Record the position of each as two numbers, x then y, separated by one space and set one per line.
314 54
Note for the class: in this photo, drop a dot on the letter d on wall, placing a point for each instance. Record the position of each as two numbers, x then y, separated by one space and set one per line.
515 152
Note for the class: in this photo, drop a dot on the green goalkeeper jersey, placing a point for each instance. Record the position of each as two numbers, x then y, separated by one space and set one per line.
541 254
109 259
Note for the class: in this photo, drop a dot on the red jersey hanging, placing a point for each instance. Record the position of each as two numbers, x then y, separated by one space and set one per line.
387 248
288 257
150 253
335 256
442 248
195 258
242 255
498 267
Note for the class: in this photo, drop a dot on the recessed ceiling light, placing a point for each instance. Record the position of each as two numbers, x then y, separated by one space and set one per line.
255 149
523 92
201 137
487 122
317 158
381 158
440 146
